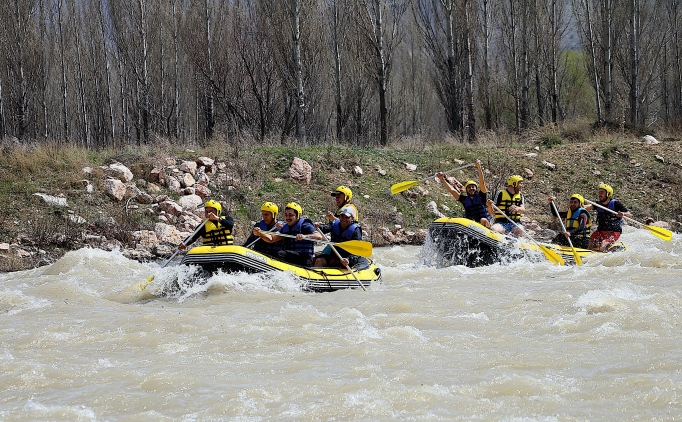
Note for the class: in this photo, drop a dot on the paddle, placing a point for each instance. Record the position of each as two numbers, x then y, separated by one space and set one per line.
184 242
550 254
578 261
258 238
403 186
659 232
355 276
356 247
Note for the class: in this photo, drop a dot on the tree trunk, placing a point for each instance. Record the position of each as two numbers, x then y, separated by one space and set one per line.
300 98
634 62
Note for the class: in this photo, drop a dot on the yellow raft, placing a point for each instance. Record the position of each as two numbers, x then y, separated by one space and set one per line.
319 279
460 241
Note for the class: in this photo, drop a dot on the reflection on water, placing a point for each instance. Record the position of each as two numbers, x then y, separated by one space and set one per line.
530 341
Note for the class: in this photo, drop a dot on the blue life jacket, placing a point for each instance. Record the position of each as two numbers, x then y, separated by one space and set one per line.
573 222
475 208
304 246
264 247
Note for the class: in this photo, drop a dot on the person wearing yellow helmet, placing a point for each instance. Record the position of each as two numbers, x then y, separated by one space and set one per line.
577 222
511 202
474 199
268 211
217 229
298 250
343 197
609 226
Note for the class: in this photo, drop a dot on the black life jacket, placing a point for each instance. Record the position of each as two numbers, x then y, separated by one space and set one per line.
607 221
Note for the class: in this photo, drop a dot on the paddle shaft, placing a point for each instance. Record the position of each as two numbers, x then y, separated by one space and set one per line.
446 172
184 242
356 247
355 276
258 238
659 232
576 257
548 252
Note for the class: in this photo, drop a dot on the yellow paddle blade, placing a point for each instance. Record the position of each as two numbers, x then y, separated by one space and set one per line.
403 186
660 232
146 283
576 257
551 255
356 247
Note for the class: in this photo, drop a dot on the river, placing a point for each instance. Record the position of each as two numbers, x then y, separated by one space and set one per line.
515 342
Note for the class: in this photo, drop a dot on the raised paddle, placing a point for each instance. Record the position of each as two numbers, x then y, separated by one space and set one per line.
403 186
550 254
355 276
356 247
659 232
184 242
576 257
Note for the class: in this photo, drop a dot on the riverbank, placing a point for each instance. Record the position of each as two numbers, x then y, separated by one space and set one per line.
60 198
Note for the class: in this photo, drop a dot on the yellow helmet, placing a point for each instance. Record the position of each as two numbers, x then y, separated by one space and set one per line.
470 182
514 180
272 207
294 206
212 203
344 190
579 197
607 188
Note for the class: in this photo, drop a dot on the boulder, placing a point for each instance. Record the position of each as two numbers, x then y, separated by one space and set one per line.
170 207
115 189
190 202
300 170
189 167
120 171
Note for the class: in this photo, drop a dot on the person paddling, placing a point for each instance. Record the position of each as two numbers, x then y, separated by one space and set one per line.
474 199
510 201
218 229
609 225
577 222
342 230
298 250
268 211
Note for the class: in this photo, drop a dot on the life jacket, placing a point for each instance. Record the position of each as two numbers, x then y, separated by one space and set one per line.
341 236
263 246
573 222
338 235
217 235
304 246
507 201
475 208
348 205
607 221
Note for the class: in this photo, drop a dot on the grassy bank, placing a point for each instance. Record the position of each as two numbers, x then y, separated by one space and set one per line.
646 178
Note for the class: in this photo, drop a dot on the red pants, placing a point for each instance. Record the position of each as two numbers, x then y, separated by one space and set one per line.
600 236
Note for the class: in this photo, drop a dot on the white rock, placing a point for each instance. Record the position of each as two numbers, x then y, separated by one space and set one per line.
650 140
410 167
120 171
115 189
190 202
58 201
357 170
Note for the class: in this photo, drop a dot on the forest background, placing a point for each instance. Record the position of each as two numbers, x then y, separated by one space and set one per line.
355 80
